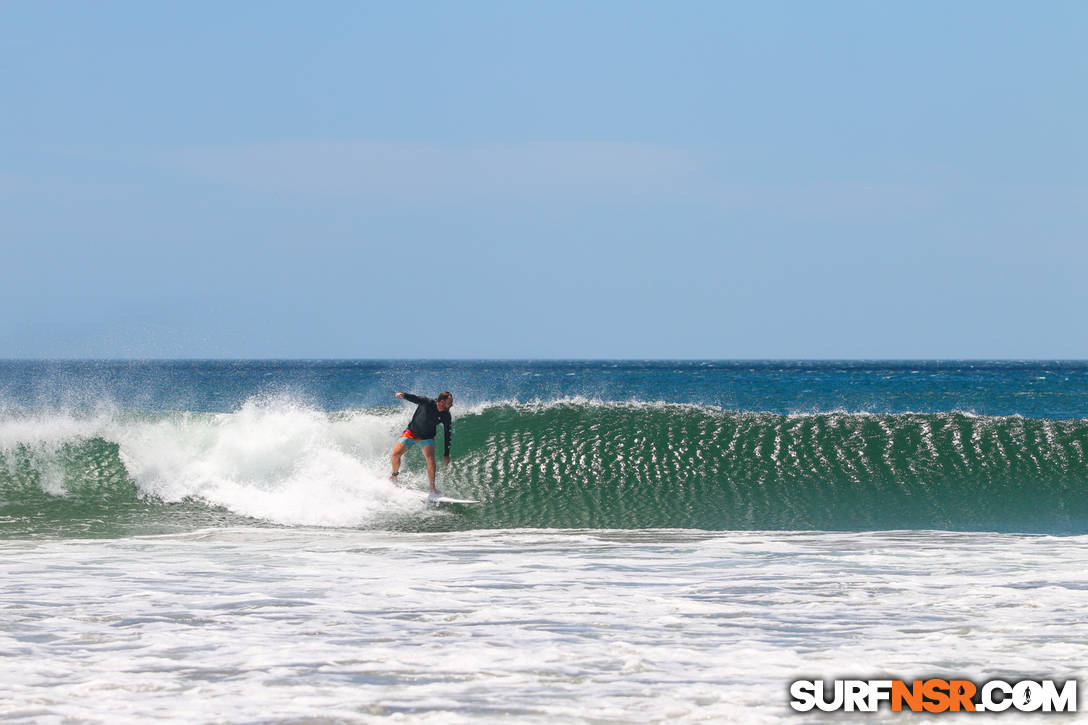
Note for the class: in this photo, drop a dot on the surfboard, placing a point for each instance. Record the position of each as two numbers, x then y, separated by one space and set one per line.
435 500
438 500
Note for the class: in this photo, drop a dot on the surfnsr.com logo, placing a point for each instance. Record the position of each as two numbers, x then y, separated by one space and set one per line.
934 695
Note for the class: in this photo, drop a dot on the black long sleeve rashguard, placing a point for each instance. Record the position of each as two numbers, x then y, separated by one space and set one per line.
425 422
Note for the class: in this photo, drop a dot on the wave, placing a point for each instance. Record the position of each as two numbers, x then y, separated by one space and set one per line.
569 463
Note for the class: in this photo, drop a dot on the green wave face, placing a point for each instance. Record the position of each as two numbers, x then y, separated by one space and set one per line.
88 472
79 488
633 466
642 465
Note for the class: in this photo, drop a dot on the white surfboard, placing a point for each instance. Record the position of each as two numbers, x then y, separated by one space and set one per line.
435 500
438 499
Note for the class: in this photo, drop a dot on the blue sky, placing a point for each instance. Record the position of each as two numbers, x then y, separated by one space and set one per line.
544 180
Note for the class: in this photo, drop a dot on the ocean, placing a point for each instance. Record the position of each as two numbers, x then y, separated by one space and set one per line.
658 541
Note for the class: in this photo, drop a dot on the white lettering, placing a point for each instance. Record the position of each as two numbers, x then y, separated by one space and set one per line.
856 696
1027 696
803 693
1065 701
989 704
821 697
879 691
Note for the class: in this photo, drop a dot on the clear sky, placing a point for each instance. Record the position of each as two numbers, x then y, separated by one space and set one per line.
544 179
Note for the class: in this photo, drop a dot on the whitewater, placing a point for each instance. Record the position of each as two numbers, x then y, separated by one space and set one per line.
658 541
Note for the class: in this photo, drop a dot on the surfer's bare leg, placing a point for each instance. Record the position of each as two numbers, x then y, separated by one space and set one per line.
428 453
398 451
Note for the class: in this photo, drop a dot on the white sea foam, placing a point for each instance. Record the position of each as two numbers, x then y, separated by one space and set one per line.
255 625
275 458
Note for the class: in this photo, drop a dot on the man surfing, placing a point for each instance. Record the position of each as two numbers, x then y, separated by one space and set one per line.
429 413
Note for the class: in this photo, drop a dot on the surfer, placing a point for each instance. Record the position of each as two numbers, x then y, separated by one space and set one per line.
424 425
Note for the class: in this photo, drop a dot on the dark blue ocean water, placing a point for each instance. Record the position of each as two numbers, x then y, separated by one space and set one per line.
1040 389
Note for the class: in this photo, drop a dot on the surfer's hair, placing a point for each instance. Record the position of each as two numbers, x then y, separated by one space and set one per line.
444 394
